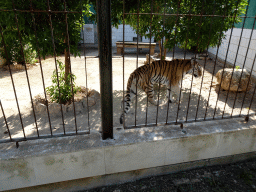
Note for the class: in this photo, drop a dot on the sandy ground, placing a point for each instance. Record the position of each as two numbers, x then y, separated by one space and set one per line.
193 105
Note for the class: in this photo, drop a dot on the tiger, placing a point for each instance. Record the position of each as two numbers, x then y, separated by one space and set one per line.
169 73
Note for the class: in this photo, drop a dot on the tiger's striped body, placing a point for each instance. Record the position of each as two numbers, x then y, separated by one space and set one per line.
169 73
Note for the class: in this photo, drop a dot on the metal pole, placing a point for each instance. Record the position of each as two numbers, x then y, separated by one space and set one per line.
105 60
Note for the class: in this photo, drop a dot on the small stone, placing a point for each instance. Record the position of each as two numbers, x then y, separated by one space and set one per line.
181 181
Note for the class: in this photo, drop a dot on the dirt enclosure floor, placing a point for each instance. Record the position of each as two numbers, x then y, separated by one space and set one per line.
192 106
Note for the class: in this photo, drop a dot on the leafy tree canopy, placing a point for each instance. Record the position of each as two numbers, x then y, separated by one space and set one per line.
184 30
34 27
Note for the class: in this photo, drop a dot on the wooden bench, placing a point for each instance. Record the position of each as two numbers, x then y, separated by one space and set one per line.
129 44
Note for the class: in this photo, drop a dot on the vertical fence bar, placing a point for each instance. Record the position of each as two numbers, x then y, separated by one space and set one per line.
161 59
214 65
122 52
175 33
5 120
14 90
182 75
105 59
191 85
235 60
56 67
210 34
252 94
68 45
85 66
250 71
23 56
243 69
137 60
40 62
225 62
150 36
254 60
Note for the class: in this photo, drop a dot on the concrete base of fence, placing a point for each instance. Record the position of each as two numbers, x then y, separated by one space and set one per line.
132 154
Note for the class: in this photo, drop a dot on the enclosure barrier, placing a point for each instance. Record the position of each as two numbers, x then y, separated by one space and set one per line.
50 13
105 58
177 119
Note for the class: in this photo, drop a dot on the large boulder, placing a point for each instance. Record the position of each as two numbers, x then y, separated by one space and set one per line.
235 85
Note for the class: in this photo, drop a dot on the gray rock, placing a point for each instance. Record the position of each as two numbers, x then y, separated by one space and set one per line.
54 108
235 85
91 102
39 107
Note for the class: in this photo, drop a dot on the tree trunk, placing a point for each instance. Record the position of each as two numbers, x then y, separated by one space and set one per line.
165 49
67 62
162 55
160 47
67 67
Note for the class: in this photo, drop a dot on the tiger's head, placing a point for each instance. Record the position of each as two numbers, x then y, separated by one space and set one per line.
196 68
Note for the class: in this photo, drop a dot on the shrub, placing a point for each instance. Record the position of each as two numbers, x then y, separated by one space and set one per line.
62 93
15 54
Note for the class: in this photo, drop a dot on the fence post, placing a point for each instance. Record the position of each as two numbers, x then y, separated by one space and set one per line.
105 59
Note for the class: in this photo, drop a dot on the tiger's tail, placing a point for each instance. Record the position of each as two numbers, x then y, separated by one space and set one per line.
130 93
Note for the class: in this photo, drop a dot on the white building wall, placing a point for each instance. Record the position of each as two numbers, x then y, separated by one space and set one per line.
129 33
88 33
117 34
241 49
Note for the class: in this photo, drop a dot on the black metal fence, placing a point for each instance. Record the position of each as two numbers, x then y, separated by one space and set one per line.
195 108
21 14
202 97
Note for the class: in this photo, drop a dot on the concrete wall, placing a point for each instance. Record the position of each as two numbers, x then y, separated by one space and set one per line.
61 159
245 45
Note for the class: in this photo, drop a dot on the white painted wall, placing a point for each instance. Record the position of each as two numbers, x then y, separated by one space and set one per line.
117 34
242 48
129 33
88 33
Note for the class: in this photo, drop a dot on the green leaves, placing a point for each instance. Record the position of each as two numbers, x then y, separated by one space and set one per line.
183 30
34 27
61 90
